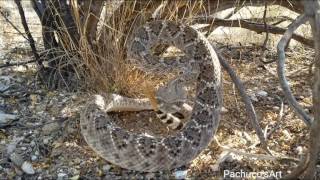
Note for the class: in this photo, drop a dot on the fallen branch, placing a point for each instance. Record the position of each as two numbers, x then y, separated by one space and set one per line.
257 27
256 156
281 70
247 101
17 63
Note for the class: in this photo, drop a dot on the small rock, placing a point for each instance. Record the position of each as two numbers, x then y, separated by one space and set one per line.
180 174
62 176
286 134
16 159
36 153
253 97
50 127
299 150
13 144
76 177
5 82
32 143
46 140
262 93
275 108
106 167
224 110
6 119
215 167
23 148
34 158
27 168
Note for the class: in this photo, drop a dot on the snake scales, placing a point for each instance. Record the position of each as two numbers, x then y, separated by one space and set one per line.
147 153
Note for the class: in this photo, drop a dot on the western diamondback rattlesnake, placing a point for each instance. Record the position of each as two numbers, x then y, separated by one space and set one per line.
147 153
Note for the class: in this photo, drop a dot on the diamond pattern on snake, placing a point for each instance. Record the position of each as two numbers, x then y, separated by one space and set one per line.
141 152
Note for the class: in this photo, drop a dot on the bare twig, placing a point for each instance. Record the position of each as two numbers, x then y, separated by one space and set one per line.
281 71
265 26
279 120
264 46
256 156
14 27
30 38
299 169
247 101
18 63
257 27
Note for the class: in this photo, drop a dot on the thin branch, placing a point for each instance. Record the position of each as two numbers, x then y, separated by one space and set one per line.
18 63
299 169
14 27
27 31
265 26
257 27
256 156
281 70
247 101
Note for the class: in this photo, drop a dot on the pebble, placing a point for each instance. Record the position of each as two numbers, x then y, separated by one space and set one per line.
299 150
62 176
215 167
46 140
50 127
106 167
275 108
27 168
16 159
5 82
36 153
262 93
224 110
32 143
76 177
34 158
253 97
13 144
6 119
180 174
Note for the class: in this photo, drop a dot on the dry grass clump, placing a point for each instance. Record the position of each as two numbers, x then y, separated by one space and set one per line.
102 62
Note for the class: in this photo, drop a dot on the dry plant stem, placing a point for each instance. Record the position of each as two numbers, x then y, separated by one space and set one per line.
215 5
257 27
299 169
30 38
18 63
12 25
265 26
281 68
256 156
247 101
312 9
279 121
